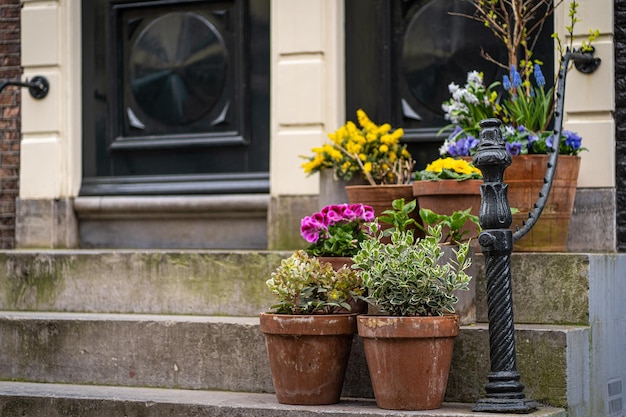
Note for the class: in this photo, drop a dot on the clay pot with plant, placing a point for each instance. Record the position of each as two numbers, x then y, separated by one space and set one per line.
309 334
409 343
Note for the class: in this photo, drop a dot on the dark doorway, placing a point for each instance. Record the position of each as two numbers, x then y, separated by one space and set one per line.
401 55
175 97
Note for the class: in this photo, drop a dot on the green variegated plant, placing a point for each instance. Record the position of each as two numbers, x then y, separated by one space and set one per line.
305 285
408 276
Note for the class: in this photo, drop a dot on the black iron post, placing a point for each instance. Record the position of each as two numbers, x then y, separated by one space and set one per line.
505 392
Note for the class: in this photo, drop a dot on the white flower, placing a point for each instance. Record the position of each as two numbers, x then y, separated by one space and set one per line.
509 130
469 97
473 77
452 87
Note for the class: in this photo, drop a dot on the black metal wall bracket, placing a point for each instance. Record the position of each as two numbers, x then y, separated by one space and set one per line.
38 86
585 62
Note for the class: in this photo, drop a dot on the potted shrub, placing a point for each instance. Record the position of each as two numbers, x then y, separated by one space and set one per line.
309 334
408 346
369 154
455 230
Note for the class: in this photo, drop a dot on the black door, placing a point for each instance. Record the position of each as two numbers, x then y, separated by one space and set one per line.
175 97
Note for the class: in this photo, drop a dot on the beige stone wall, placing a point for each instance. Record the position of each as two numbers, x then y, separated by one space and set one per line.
51 127
307 86
590 98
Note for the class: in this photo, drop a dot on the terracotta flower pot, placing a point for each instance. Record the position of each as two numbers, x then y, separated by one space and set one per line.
525 179
448 196
308 355
408 359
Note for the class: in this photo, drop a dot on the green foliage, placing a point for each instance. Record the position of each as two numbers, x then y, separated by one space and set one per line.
453 223
304 285
342 240
398 216
407 277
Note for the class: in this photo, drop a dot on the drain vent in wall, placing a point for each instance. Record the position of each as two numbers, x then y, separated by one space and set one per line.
616 405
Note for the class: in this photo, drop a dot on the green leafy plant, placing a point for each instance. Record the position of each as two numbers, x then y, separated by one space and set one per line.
407 277
304 285
453 224
398 216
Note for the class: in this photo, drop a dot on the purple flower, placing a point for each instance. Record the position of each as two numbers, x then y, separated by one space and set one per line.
506 83
462 146
349 214
541 81
514 148
572 139
363 212
310 228
516 79
550 141
471 143
332 214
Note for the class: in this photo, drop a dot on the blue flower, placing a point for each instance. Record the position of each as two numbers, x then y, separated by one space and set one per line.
521 128
541 81
549 141
514 148
532 138
506 83
470 144
462 146
516 79
572 139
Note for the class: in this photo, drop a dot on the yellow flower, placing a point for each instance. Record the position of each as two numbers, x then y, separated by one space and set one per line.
363 148
383 129
335 295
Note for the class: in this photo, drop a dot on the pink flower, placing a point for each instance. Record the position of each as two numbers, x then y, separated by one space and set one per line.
334 214
310 227
368 213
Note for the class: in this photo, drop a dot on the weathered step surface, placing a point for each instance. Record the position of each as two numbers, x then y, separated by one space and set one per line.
51 400
228 353
233 283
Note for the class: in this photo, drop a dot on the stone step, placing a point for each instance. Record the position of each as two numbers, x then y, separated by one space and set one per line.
228 354
53 400
233 283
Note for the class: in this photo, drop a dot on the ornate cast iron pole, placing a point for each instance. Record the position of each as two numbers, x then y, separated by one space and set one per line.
505 392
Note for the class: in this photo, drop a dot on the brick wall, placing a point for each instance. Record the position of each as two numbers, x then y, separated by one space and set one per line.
620 120
9 119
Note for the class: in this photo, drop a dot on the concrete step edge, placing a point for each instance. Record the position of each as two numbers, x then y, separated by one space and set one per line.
238 320
153 402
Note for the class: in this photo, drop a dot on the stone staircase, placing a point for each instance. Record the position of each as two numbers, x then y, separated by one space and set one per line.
175 333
